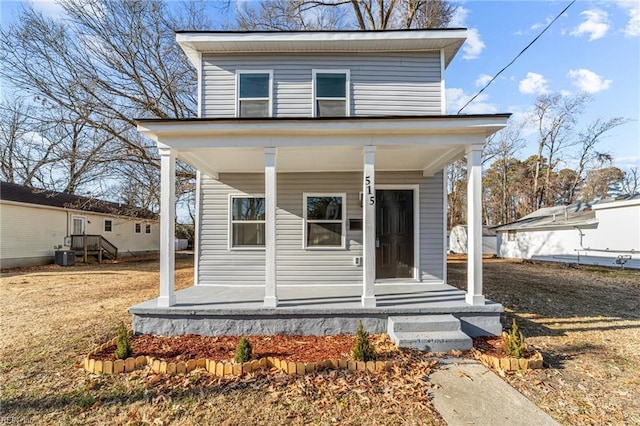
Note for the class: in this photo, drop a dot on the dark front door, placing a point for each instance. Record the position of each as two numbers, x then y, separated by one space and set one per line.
394 234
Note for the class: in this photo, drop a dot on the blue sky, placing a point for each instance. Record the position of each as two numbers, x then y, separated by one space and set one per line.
593 47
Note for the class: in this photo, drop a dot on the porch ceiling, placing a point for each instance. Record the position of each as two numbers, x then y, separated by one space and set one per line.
426 143
429 158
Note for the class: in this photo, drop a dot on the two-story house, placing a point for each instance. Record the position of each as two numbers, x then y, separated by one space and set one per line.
321 192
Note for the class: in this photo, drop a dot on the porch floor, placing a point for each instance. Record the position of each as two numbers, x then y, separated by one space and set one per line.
308 310
391 298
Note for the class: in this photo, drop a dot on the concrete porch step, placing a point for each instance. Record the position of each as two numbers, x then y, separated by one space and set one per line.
415 323
433 341
434 333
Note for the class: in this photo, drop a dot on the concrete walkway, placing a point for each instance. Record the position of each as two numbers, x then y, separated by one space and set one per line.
468 393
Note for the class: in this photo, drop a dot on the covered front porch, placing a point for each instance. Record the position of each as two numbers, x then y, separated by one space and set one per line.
369 146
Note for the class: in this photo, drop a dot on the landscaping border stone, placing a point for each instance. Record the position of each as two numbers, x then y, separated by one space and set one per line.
509 363
223 368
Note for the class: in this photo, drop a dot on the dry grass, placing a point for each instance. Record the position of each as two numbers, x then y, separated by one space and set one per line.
586 321
52 316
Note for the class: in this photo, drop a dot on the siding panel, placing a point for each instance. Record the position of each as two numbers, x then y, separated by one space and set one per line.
389 84
297 266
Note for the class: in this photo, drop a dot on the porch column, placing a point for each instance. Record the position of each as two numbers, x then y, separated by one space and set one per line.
369 228
167 226
474 225
270 191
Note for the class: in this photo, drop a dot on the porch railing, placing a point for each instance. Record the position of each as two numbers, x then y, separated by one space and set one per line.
94 245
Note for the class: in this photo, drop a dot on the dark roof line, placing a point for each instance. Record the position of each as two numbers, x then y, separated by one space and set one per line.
24 194
356 118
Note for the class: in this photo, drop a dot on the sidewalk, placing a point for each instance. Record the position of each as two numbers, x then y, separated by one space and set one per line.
468 393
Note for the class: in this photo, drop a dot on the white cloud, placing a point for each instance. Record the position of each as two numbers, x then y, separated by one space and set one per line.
459 18
456 98
474 44
588 81
533 84
483 79
632 7
596 24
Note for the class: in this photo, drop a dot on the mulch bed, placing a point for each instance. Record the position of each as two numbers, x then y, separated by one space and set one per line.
222 348
494 346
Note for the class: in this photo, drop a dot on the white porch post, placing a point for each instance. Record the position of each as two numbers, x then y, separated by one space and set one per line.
474 225
270 178
167 226
369 228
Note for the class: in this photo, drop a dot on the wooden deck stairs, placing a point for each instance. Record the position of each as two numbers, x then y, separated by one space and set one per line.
93 245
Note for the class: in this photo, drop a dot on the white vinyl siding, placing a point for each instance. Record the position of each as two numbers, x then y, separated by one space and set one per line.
296 265
380 84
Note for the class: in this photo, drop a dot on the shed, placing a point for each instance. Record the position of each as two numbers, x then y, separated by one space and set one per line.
458 240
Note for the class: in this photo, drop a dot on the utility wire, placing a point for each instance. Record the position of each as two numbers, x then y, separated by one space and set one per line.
517 56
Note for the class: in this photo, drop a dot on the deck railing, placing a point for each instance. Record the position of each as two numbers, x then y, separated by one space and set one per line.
94 245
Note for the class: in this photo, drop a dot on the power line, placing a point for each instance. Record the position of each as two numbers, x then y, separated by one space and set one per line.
517 56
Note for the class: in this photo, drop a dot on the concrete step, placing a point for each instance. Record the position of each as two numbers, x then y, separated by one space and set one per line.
433 341
415 323
433 333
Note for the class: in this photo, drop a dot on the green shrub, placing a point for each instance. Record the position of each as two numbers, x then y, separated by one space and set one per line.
362 350
123 348
243 351
514 344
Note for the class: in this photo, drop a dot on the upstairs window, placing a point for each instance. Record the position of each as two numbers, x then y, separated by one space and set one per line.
254 93
331 93
247 222
108 225
147 228
325 222
137 228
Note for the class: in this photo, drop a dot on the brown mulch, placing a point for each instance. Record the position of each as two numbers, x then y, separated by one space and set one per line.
494 346
222 348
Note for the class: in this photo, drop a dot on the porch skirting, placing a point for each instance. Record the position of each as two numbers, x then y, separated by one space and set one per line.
311 310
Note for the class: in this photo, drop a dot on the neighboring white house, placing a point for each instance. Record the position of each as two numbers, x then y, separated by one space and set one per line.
33 221
458 240
320 159
606 232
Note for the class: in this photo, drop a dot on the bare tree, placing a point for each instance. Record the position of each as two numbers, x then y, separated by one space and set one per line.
343 14
588 155
555 116
101 67
630 184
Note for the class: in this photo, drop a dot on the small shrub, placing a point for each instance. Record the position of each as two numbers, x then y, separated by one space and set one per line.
123 348
362 350
243 351
514 344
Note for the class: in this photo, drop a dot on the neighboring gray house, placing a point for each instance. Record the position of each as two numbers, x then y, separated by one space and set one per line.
320 191
605 232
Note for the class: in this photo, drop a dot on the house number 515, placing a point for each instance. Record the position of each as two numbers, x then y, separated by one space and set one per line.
370 196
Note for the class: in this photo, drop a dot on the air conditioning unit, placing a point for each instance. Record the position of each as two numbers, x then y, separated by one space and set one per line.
65 257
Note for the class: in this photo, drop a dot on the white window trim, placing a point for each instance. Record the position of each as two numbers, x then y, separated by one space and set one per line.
230 222
416 224
238 73
347 73
147 225
343 238
134 228
104 225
